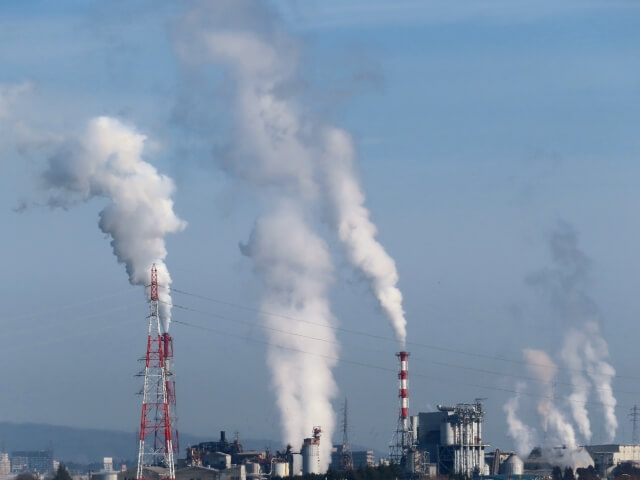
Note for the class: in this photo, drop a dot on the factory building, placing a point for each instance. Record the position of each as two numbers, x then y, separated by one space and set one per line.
361 459
40 461
452 437
236 472
310 453
5 463
608 457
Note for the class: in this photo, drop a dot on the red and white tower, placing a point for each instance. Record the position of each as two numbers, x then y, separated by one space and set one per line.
156 442
403 437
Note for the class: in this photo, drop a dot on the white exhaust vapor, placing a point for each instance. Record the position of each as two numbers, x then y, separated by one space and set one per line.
522 435
297 270
107 161
544 371
299 168
601 373
291 259
571 353
559 430
357 231
584 351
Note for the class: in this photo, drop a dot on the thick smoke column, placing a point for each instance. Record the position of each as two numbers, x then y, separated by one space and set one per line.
271 152
558 429
295 152
544 371
523 436
357 231
571 353
107 162
584 348
596 353
297 270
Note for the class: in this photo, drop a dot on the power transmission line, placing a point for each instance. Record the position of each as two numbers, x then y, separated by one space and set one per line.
381 337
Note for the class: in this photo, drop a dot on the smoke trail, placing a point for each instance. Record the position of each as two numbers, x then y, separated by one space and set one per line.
107 162
571 352
357 231
297 270
523 436
567 286
271 152
296 152
596 351
544 370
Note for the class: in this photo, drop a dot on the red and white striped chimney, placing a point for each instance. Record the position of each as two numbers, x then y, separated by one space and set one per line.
404 389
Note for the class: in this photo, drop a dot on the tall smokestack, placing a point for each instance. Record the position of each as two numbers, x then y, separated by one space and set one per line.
403 375
403 437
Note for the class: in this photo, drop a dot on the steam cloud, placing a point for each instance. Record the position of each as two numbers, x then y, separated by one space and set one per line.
297 270
584 352
523 435
357 231
299 168
107 162
584 348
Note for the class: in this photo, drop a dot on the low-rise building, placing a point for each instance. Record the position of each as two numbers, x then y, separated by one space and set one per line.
608 457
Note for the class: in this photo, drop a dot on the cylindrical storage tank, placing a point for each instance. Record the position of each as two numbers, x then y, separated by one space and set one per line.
446 434
512 466
104 476
310 457
253 468
280 469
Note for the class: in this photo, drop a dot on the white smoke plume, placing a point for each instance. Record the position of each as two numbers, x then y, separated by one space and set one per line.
297 270
315 158
571 354
559 444
522 435
289 159
107 161
544 370
584 347
271 154
596 353
357 231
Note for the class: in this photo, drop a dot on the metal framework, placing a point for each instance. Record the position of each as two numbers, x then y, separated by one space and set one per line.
634 415
463 452
346 458
156 446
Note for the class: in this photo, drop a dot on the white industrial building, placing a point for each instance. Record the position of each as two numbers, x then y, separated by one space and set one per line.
452 437
608 457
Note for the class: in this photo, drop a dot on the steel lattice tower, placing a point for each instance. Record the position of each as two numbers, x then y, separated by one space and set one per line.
346 458
156 444
634 415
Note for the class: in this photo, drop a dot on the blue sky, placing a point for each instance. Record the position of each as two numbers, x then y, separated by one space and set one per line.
479 127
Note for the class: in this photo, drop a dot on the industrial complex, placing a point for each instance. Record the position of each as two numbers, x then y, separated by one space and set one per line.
447 442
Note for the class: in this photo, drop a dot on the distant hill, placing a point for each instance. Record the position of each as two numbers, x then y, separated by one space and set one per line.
89 445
